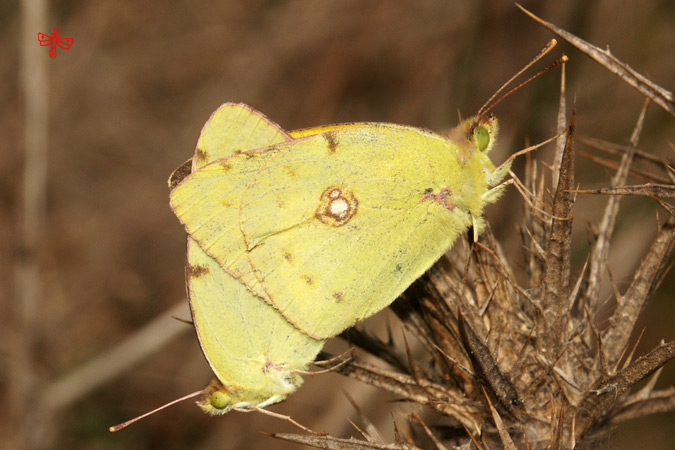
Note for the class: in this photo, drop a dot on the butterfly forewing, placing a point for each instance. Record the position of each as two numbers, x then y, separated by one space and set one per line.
343 222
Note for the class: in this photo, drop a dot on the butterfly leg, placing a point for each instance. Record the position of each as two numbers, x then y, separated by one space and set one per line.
493 194
494 178
287 418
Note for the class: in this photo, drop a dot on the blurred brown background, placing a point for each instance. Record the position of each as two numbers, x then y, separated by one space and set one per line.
127 102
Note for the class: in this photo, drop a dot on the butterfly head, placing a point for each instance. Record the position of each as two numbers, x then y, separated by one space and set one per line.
219 398
475 137
482 132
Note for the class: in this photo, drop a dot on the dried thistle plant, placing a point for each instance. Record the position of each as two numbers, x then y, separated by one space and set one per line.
525 364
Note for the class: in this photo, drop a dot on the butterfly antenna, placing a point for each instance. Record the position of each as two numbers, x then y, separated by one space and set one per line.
483 109
123 425
562 60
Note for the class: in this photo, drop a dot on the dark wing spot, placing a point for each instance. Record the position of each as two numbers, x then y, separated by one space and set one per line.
226 165
290 170
442 198
332 141
197 271
202 155
338 295
308 280
288 256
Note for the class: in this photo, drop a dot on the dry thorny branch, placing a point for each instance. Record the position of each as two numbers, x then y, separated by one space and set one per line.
516 365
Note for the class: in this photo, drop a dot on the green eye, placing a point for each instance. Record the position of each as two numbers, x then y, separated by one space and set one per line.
219 400
482 137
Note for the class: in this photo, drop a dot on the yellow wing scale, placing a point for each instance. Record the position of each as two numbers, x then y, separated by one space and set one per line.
332 226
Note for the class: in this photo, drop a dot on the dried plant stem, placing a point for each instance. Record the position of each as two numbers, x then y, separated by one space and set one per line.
560 128
602 397
28 432
527 366
556 273
644 283
648 88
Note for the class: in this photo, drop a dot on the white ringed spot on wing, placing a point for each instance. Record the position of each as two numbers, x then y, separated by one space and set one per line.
336 206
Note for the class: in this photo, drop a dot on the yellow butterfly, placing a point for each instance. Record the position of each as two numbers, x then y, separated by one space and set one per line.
331 226
254 352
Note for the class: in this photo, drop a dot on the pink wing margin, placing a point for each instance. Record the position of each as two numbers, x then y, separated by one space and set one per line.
64 43
45 39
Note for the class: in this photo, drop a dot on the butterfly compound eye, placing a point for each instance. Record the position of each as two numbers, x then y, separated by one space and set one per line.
220 400
482 137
